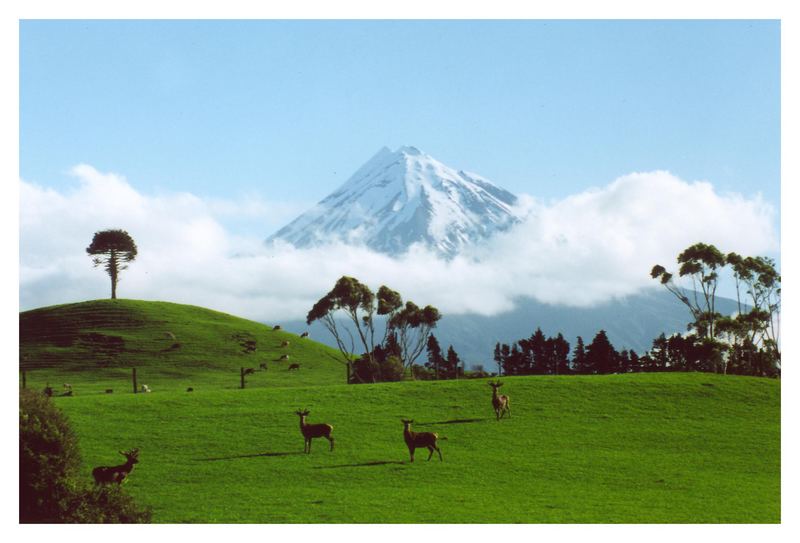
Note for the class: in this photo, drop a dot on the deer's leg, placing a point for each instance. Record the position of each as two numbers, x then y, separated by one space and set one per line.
331 440
438 450
430 451
411 452
309 445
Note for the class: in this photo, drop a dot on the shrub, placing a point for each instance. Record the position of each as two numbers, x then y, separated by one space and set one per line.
48 459
49 490
392 369
107 504
387 369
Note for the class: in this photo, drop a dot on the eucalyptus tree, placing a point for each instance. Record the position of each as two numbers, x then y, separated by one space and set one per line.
113 249
701 263
413 325
357 302
360 305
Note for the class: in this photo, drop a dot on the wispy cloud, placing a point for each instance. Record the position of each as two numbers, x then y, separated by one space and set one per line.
581 250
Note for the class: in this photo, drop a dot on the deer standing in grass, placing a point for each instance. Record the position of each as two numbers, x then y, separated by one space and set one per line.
500 402
310 431
419 440
116 474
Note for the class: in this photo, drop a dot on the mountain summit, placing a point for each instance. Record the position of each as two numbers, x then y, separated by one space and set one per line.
403 197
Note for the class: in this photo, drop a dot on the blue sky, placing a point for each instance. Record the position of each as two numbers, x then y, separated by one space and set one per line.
288 110
203 138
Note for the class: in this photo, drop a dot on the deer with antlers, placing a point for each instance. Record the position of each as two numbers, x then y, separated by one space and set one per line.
500 402
310 431
419 440
116 474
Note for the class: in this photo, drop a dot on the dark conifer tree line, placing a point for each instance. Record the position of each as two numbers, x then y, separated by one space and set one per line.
540 355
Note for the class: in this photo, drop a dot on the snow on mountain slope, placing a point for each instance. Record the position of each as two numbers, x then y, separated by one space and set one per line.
403 197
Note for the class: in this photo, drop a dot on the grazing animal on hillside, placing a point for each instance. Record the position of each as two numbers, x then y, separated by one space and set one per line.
419 440
285 343
304 334
293 367
109 390
500 402
190 389
284 357
276 327
310 431
249 371
145 388
263 366
48 390
116 474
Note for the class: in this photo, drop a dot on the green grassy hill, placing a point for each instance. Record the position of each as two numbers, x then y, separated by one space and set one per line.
666 448
93 346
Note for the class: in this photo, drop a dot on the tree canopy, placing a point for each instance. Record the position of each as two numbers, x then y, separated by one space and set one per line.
407 326
112 249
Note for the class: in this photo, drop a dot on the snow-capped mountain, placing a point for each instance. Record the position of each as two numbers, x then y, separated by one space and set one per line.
403 197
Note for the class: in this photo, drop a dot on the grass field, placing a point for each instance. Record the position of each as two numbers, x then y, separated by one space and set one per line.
93 346
673 448
619 448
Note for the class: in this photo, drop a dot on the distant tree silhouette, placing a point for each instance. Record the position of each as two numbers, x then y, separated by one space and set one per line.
535 355
559 348
435 358
452 364
601 357
113 249
579 361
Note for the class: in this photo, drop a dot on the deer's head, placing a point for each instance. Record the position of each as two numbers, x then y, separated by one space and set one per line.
132 455
302 412
495 385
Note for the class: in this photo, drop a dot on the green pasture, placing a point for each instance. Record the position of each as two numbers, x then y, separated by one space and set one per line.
93 346
664 448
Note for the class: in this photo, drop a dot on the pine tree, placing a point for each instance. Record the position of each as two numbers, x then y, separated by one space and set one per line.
452 364
579 362
560 355
601 357
435 359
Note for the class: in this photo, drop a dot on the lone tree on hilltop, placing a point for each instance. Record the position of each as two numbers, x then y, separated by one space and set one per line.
113 249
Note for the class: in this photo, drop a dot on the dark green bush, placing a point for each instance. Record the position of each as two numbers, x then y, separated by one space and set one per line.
48 459
49 488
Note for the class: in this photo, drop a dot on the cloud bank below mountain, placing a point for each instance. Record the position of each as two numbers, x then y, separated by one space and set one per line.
581 250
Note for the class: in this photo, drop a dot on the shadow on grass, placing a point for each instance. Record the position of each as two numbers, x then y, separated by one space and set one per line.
256 455
452 421
363 464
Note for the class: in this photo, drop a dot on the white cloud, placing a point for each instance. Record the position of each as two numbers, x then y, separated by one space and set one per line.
581 250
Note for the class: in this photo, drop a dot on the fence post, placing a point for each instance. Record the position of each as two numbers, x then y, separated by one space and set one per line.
241 375
134 381
24 379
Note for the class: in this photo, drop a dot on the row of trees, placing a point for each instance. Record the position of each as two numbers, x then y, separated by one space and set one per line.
539 355
747 342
